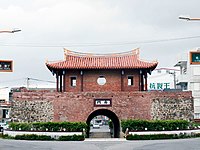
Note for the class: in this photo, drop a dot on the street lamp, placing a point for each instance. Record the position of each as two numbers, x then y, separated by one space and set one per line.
7 65
188 18
10 31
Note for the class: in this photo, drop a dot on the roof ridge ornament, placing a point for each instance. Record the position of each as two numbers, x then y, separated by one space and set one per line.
80 54
136 52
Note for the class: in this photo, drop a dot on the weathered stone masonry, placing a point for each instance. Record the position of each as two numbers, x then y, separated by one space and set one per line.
69 106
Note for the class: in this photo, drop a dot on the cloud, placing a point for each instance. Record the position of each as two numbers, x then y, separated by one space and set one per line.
81 22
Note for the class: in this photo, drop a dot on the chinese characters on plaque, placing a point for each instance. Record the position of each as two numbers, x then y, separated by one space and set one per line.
102 102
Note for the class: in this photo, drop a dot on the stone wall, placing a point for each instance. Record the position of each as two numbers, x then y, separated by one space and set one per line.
70 106
166 108
32 111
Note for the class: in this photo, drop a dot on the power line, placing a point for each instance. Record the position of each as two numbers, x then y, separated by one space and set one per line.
101 44
40 80
16 80
6 81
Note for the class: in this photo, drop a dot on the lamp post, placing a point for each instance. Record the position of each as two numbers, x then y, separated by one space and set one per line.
7 65
189 18
10 31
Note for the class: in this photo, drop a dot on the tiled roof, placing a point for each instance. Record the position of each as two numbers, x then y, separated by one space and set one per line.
126 60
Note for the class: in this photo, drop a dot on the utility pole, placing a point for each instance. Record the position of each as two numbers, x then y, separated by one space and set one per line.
27 83
174 75
174 79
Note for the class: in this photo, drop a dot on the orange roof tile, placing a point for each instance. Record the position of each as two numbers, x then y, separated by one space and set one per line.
126 60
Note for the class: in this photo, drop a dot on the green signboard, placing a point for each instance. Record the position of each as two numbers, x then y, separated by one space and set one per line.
159 86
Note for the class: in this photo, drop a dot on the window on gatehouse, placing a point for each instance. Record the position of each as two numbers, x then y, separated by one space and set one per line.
73 81
101 80
130 80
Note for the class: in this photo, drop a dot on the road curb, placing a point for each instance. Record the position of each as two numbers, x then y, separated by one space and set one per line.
105 139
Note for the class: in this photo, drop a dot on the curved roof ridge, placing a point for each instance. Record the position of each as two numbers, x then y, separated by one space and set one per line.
148 61
80 54
124 60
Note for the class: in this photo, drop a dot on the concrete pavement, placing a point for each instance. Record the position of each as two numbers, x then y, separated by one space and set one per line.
179 144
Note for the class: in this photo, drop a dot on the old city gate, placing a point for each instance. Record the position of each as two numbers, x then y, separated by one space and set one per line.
113 85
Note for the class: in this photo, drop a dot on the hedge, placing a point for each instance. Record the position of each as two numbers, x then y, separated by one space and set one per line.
33 137
154 125
71 138
149 137
49 126
160 136
45 137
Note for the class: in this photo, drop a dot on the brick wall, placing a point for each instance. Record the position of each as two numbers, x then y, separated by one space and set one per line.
77 106
113 80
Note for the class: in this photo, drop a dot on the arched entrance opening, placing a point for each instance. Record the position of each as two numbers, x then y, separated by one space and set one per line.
111 115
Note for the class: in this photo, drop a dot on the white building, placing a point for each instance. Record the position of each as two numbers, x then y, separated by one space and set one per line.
163 79
5 104
189 78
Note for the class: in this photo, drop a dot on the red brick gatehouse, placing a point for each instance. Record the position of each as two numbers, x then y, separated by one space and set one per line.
82 72
114 85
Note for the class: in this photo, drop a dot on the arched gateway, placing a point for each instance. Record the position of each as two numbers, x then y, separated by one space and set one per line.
111 115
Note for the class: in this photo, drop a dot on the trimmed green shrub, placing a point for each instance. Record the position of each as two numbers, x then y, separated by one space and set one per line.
6 136
71 138
157 136
50 126
20 126
48 138
33 137
154 125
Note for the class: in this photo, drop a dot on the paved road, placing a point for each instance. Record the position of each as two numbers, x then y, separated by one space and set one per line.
104 128
183 144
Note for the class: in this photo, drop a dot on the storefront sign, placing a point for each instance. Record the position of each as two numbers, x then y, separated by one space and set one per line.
159 86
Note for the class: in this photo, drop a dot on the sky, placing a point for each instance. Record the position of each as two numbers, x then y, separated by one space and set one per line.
94 26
